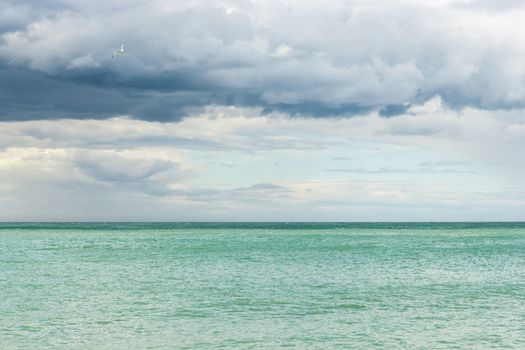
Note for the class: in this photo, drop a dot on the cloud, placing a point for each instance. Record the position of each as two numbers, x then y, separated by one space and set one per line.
342 159
227 129
232 109
389 170
110 167
302 57
430 163
502 5
16 15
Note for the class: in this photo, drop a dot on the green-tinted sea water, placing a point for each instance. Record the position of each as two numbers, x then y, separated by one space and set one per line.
262 286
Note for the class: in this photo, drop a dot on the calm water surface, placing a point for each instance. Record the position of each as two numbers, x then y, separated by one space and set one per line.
262 286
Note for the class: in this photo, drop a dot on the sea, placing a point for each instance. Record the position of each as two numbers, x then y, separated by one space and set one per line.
262 286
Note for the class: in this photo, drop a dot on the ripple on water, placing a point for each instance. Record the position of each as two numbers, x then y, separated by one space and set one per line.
376 287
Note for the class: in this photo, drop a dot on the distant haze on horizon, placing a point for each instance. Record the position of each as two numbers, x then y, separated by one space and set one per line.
267 110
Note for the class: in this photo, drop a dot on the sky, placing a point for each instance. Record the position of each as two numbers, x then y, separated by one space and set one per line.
262 110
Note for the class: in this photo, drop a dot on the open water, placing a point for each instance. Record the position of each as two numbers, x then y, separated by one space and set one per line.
262 286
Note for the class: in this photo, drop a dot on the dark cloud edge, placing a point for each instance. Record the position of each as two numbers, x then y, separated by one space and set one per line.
27 94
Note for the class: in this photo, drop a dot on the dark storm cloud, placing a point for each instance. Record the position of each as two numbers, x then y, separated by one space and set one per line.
304 58
28 95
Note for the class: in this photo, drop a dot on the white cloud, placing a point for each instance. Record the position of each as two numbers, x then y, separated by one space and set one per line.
432 163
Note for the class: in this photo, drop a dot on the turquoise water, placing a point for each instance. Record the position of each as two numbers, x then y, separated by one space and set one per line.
262 286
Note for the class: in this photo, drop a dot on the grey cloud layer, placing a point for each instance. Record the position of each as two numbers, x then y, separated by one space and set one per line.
305 57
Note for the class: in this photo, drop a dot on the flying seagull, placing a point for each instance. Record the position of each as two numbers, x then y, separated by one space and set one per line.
119 52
